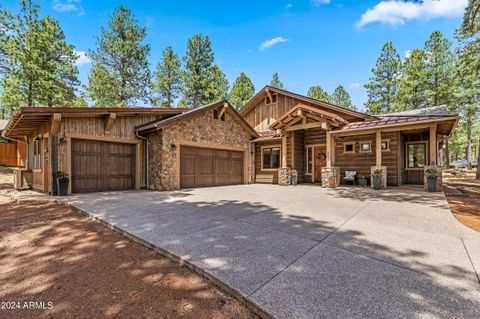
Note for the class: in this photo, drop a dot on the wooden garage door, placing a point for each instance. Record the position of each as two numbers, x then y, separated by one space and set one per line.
202 167
102 166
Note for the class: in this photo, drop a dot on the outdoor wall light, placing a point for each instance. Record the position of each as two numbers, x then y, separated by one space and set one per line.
62 139
173 145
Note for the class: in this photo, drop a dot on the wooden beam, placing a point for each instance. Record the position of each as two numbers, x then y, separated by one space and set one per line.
55 126
293 149
303 126
326 126
109 122
433 144
222 110
269 95
300 112
298 119
378 147
284 149
329 149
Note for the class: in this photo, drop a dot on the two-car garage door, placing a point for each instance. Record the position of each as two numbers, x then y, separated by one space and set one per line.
203 167
102 166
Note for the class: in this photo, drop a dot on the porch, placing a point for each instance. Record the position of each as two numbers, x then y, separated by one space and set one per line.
308 140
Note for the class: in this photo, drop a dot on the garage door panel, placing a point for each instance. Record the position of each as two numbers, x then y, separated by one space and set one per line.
203 167
102 166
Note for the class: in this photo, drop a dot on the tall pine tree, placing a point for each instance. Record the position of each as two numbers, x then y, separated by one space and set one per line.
167 78
242 91
318 93
38 64
218 86
198 71
120 75
413 83
439 69
276 81
383 85
341 98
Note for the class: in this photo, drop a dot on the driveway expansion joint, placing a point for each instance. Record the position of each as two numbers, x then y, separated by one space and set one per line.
471 261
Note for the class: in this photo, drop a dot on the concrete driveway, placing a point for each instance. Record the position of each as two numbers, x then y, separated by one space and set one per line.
309 252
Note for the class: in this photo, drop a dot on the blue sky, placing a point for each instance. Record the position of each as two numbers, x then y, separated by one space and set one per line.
308 42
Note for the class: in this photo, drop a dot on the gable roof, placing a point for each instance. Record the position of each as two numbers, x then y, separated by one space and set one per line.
306 99
156 125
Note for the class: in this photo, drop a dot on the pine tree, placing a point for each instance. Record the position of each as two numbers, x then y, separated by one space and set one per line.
218 86
39 65
318 93
198 70
168 78
467 96
382 88
413 83
120 74
242 91
341 98
439 68
276 81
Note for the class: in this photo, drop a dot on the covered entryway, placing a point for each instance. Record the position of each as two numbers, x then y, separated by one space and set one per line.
102 166
203 167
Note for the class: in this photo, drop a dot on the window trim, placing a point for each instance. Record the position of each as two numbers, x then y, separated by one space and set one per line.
365 142
345 148
37 154
388 145
279 146
308 148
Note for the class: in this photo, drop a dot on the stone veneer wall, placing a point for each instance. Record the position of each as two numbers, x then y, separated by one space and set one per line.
284 176
439 186
200 128
384 175
330 177
154 160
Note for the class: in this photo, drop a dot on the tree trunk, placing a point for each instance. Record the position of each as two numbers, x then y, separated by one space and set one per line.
469 144
30 95
477 176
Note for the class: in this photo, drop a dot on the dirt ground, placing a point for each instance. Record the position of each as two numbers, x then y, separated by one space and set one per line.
61 260
464 200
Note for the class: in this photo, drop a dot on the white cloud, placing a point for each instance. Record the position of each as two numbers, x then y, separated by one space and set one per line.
355 85
398 12
408 53
68 6
82 58
288 6
270 43
320 2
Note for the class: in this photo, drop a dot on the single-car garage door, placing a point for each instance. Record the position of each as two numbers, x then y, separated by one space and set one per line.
102 166
203 167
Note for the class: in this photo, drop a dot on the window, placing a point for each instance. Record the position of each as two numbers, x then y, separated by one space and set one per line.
215 115
309 160
385 145
270 157
416 155
274 98
349 147
267 100
365 146
37 154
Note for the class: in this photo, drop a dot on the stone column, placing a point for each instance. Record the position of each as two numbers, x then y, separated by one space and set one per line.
284 176
439 186
330 177
384 175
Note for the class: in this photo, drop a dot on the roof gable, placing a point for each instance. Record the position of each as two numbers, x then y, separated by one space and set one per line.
156 125
316 103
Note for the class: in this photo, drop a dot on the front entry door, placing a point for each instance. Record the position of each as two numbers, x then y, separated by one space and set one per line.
320 161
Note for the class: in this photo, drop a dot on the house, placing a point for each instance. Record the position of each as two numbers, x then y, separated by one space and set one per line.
12 152
105 149
321 141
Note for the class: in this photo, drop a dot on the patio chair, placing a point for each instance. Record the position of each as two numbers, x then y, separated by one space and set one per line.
350 177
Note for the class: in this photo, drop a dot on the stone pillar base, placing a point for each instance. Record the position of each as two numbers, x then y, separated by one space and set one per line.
439 186
284 176
384 175
330 177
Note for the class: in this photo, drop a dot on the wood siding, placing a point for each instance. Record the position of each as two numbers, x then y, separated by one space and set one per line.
13 154
258 160
315 136
363 161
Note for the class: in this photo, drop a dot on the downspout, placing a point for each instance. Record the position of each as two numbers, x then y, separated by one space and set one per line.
146 158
